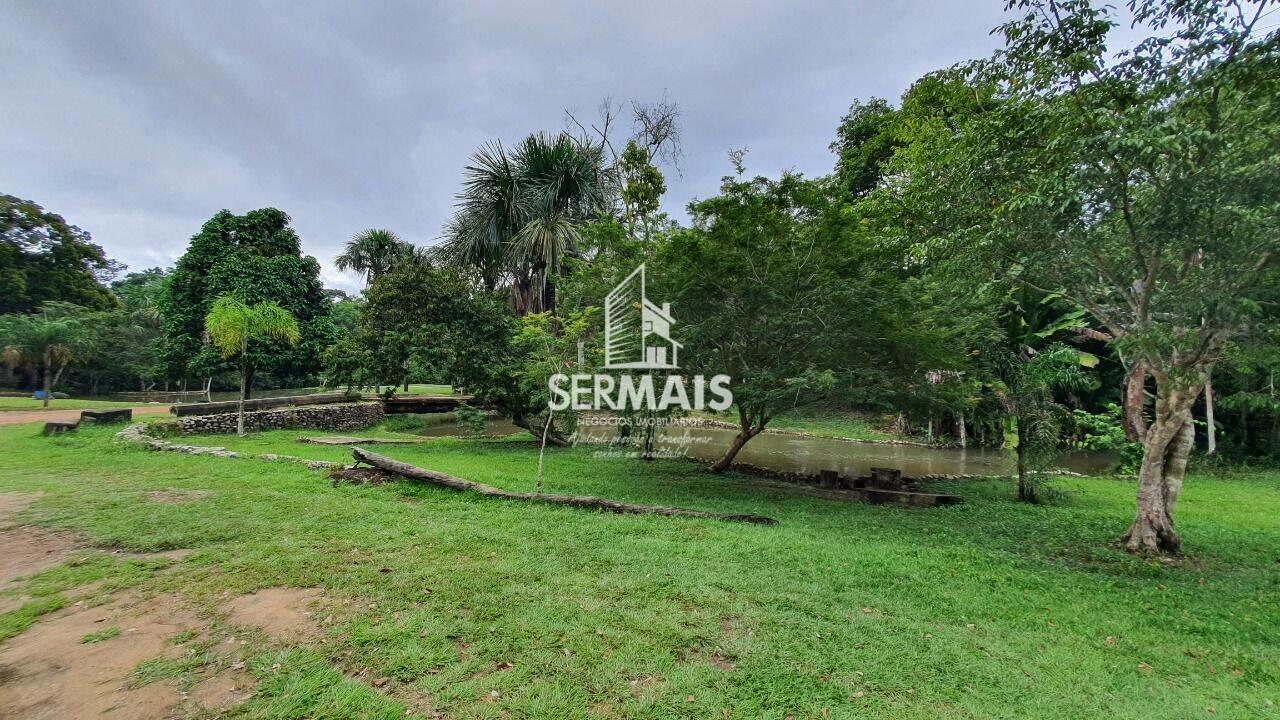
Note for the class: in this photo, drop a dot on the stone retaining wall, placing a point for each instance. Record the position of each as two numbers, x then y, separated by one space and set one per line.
345 416
139 434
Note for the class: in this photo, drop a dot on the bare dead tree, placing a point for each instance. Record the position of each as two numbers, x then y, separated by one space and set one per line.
655 127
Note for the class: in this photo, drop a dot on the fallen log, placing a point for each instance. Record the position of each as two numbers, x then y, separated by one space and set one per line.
414 472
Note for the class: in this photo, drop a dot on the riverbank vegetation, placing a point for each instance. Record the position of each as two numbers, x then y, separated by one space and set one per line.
481 608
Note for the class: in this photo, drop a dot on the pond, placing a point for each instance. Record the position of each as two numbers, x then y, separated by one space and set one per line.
808 455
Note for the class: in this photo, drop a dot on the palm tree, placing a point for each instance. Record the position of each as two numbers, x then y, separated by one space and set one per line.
1030 368
489 215
48 340
519 213
374 253
231 325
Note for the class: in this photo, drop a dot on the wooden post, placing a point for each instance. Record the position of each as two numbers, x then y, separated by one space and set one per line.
886 478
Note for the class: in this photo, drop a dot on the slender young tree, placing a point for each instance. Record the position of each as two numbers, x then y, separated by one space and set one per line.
231 325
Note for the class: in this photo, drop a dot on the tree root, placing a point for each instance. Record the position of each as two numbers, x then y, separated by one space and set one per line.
584 501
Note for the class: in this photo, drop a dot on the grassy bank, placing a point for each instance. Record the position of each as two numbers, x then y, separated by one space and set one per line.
828 422
824 422
501 609
26 403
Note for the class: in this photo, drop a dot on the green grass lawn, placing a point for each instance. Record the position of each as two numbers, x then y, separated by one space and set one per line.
833 423
426 389
26 403
822 422
988 609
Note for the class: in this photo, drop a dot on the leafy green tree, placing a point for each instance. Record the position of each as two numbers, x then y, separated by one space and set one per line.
1248 403
374 253
433 317
865 140
1028 379
1139 185
43 259
232 325
1030 367
345 313
130 340
48 340
255 258
756 296
548 346
642 188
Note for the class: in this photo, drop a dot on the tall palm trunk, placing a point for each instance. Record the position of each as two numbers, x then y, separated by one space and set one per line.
48 376
1026 486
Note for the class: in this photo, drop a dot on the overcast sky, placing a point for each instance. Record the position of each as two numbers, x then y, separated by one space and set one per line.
138 121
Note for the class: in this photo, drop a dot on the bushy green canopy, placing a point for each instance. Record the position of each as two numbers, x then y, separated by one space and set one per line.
254 258
231 325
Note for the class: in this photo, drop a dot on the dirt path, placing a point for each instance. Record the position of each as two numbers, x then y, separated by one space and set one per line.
18 417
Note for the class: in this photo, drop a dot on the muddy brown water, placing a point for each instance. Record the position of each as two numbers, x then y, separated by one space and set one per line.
807 455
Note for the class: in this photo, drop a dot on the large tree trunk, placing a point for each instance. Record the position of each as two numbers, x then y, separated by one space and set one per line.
582 501
1211 432
746 432
246 387
1135 382
524 297
545 433
1175 464
1165 449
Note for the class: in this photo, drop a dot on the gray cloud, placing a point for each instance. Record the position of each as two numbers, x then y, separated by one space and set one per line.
138 121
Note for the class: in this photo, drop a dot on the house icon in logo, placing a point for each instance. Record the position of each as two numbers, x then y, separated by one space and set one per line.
637 333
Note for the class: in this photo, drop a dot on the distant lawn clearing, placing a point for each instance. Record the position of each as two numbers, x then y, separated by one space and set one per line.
26 403
821 422
494 609
425 389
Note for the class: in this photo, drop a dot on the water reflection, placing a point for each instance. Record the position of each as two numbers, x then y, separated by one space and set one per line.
808 455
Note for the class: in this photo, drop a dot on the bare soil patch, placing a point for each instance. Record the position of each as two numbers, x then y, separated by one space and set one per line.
361 476
48 672
12 503
177 497
28 550
18 417
284 613
223 691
